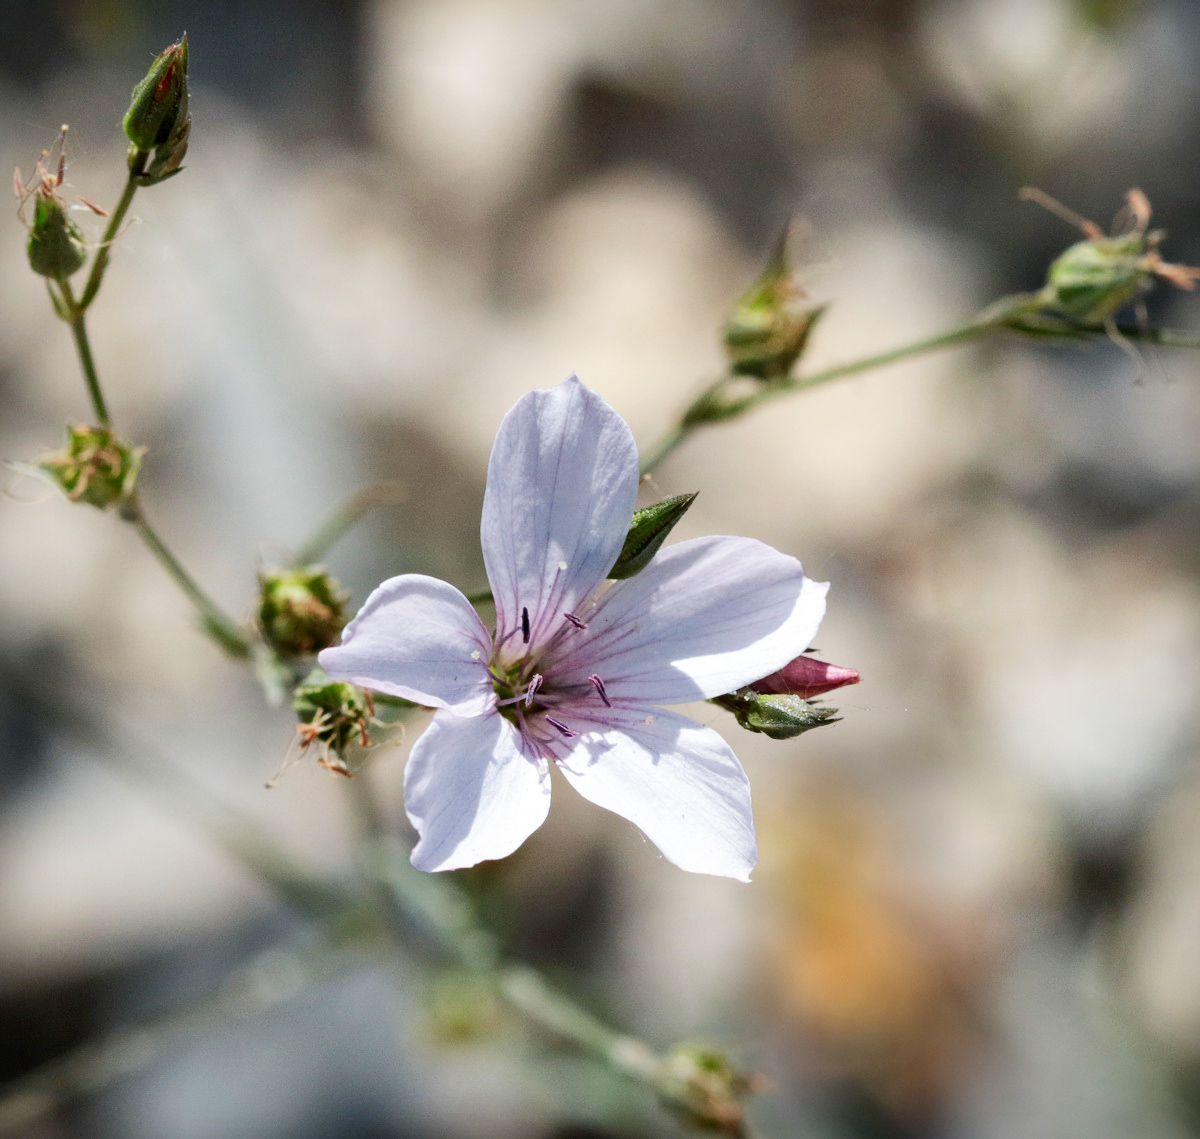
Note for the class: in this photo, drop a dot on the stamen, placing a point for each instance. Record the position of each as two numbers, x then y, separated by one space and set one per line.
575 621
525 625
598 685
562 727
534 684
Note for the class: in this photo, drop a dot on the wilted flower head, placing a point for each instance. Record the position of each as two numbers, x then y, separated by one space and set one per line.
97 467
56 247
577 670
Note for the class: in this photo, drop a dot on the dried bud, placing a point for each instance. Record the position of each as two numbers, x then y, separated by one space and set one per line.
158 119
56 247
300 610
333 712
806 677
96 467
771 322
1094 279
647 532
703 1086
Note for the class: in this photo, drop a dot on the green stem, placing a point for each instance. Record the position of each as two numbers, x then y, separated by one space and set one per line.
1005 315
75 317
344 516
218 626
137 166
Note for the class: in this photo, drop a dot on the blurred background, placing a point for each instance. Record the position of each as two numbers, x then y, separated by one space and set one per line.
978 908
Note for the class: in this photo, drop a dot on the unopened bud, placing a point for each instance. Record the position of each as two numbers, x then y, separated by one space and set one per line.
334 712
703 1086
806 677
96 467
56 247
300 610
772 321
158 118
647 532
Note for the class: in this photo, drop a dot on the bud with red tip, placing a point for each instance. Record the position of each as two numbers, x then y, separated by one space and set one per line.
158 119
806 677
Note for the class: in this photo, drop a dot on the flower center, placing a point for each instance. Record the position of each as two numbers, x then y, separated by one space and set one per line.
530 699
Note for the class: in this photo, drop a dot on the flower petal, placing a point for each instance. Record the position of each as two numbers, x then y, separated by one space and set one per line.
676 780
705 617
561 487
419 638
471 791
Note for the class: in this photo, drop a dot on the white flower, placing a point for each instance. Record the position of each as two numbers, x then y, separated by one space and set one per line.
576 673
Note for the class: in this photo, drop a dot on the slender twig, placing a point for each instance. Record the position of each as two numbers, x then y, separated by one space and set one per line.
137 166
997 318
220 627
270 980
75 317
344 516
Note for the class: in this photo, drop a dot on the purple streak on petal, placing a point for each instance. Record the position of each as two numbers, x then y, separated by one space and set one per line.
677 781
703 618
473 791
561 487
417 637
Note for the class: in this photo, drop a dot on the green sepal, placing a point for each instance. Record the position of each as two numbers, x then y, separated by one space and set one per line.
647 532
779 716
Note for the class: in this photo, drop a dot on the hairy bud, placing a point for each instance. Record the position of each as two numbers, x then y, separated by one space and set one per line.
300 611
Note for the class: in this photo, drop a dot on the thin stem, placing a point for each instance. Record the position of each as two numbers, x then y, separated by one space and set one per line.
344 516
75 317
215 622
271 979
137 166
1005 315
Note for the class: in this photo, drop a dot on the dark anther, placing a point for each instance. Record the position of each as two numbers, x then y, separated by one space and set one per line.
562 727
575 621
598 685
525 625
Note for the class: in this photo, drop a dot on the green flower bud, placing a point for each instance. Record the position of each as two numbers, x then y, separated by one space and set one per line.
300 611
772 321
158 119
781 716
703 1086
334 712
647 532
96 467
56 247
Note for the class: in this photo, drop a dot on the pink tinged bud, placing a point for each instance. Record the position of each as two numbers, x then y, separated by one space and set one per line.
806 677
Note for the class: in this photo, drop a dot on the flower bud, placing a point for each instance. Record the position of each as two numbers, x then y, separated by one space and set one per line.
781 716
647 532
334 712
300 611
96 467
703 1086
56 247
772 321
158 119
806 677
